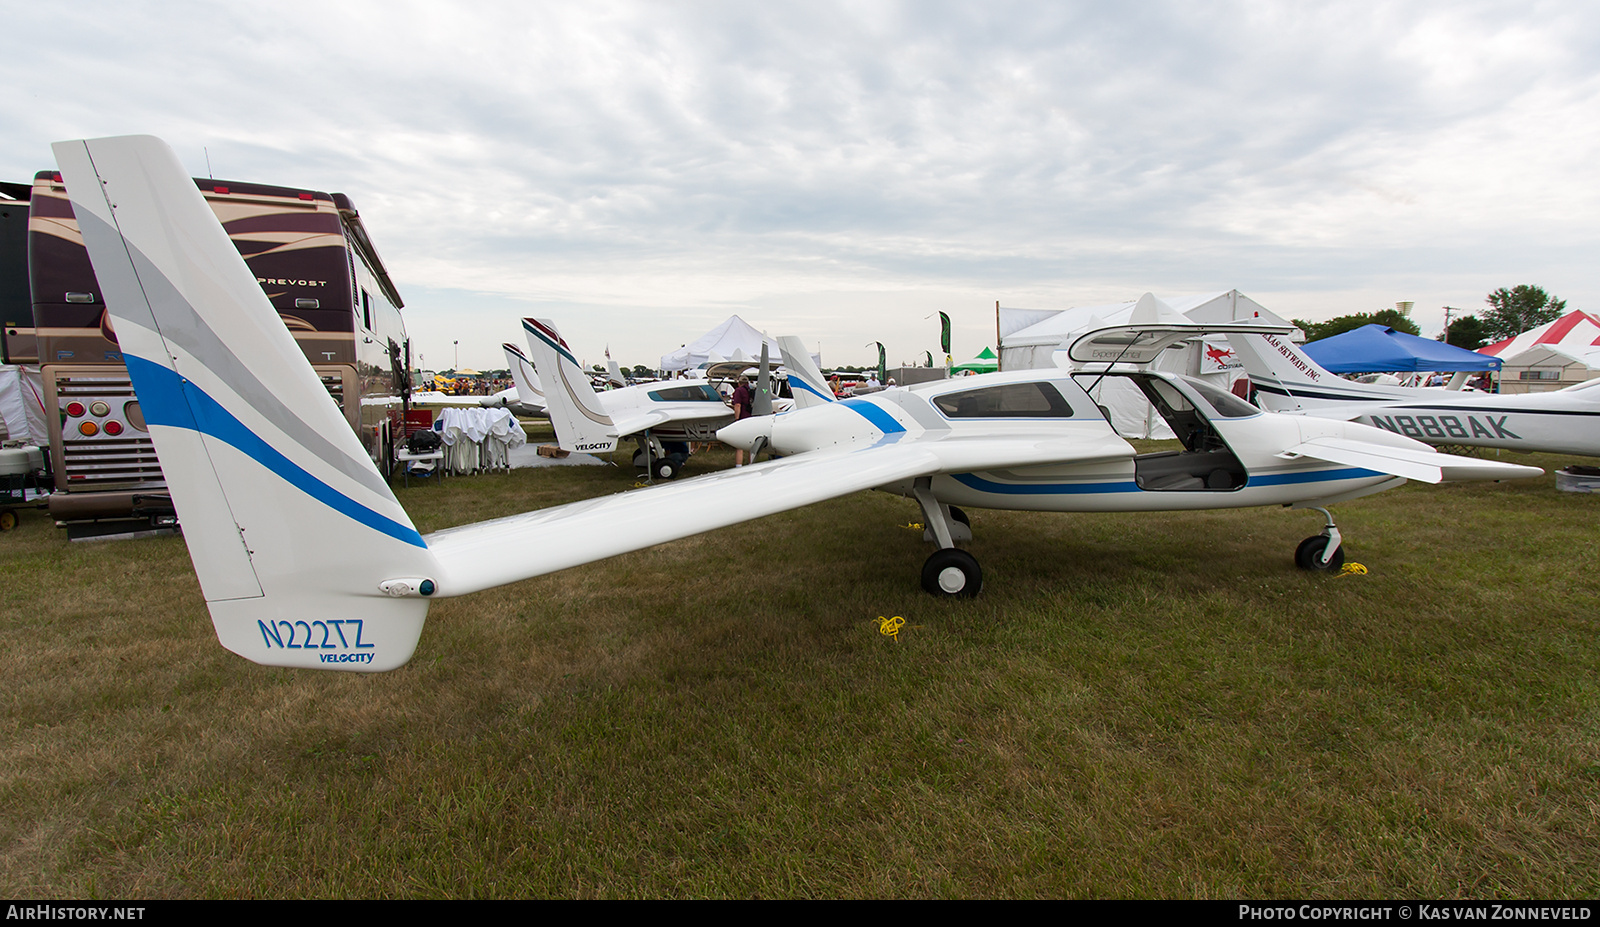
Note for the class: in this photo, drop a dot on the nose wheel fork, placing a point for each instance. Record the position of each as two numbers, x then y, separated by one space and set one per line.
948 573
1322 551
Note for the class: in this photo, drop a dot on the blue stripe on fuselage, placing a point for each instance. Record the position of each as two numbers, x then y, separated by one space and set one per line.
1313 476
874 413
1040 489
1066 489
167 399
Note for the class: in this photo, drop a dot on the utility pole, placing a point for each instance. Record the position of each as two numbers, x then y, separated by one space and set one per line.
1447 311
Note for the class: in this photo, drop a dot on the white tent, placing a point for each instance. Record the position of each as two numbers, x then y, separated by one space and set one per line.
734 339
1032 338
22 405
1553 356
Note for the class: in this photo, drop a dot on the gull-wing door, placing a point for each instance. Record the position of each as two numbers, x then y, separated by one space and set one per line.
1143 343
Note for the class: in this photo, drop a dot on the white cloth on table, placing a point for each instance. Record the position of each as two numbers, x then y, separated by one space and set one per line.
478 439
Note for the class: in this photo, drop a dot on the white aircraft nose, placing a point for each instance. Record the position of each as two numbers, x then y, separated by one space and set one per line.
743 434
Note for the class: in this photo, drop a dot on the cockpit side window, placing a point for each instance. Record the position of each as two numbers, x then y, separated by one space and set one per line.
697 393
1013 400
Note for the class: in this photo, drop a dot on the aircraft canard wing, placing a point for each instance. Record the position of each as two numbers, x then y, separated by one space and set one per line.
1413 464
655 418
1141 344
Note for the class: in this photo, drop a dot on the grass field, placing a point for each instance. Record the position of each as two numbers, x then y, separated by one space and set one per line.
1138 705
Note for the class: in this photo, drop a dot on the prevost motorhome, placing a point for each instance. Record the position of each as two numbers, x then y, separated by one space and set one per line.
314 260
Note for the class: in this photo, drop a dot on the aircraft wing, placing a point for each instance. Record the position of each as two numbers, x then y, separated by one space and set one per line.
655 418
436 398
509 549
492 553
1413 464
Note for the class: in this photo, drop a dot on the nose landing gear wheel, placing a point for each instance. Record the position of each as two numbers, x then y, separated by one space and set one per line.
952 573
1308 556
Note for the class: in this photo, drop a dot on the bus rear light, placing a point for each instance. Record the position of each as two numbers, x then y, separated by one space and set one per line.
219 189
74 409
99 408
307 196
88 429
113 428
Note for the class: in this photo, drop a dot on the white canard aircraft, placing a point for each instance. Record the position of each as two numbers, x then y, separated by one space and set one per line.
1563 421
306 559
663 417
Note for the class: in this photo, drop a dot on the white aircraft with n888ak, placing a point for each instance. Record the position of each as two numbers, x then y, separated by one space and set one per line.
306 558
1286 379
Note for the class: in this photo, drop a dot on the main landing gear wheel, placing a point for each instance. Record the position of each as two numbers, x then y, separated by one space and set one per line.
1308 556
667 468
953 573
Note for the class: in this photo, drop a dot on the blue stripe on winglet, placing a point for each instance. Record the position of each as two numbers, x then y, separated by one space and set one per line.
167 399
795 381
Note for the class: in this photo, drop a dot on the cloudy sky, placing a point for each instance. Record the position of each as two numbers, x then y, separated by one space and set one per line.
640 171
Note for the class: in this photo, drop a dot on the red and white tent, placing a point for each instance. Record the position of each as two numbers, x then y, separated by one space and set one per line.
1576 334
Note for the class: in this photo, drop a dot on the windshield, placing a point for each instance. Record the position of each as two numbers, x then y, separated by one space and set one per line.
1225 403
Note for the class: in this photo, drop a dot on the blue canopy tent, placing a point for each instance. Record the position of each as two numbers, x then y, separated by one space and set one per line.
1374 348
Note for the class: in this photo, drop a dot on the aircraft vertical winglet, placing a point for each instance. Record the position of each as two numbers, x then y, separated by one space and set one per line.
304 556
580 421
806 382
528 387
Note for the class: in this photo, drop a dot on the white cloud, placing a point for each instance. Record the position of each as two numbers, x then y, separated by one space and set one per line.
647 168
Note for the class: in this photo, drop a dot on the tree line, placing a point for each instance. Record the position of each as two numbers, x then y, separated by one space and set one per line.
1511 312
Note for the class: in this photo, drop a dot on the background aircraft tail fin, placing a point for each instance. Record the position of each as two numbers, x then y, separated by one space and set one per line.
581 423
529 389
806 382
304 556
1286 379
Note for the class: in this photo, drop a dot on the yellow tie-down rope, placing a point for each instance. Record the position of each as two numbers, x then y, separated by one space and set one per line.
1353 568
890 627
